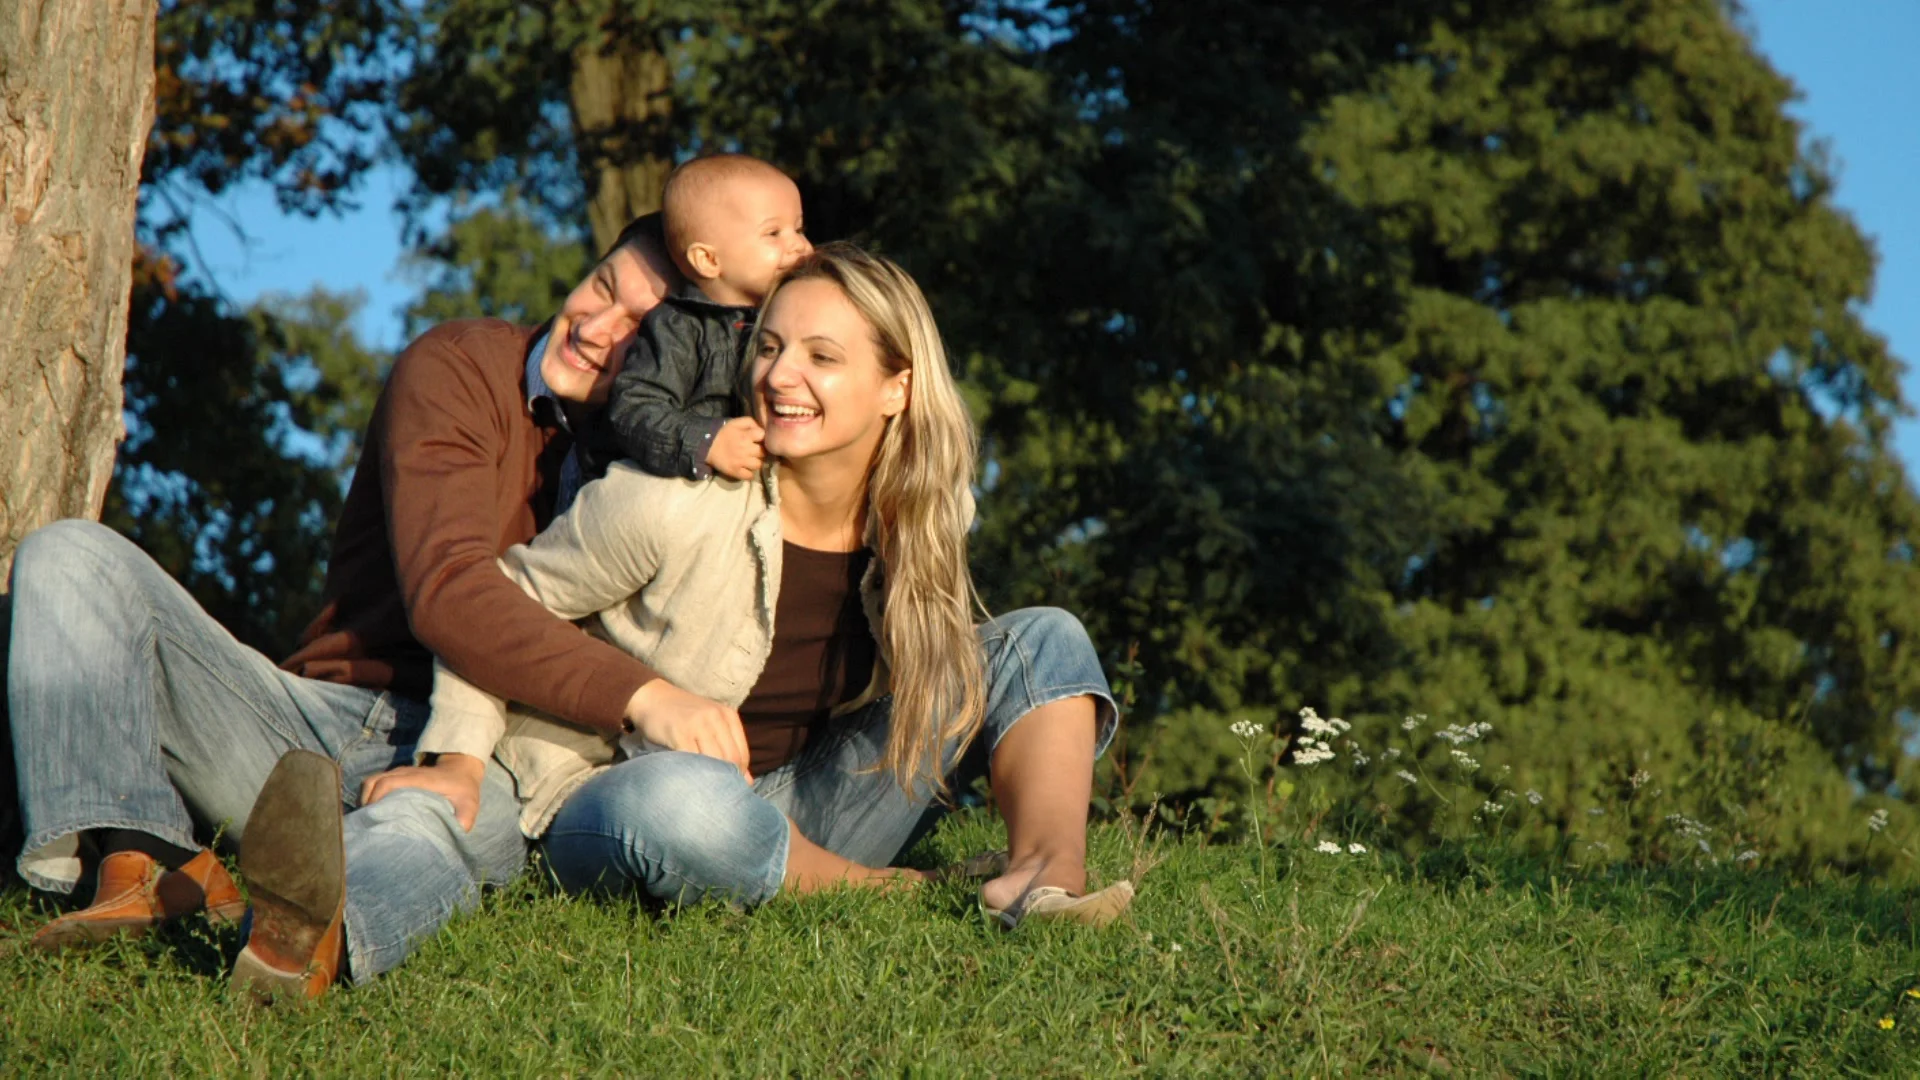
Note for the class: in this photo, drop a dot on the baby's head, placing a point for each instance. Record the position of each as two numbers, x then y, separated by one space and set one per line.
733 226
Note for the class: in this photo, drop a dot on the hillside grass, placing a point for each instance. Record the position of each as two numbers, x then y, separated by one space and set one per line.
1234 960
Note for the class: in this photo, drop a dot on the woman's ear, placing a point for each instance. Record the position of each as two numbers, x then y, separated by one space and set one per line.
898 393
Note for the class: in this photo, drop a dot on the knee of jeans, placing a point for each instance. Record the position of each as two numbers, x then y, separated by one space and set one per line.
695 820
63 548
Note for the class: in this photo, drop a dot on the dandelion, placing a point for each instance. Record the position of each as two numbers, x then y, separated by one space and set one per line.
1886 1023
1356 849
1913 993
1878 821
1534 798
1246 729
1639 779
1407 776
1749 855
1327 847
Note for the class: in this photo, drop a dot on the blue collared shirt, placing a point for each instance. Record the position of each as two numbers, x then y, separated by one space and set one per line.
542 404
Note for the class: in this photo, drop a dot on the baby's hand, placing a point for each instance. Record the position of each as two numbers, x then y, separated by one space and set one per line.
736 449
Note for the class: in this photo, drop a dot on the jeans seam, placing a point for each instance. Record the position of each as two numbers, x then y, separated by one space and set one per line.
218 674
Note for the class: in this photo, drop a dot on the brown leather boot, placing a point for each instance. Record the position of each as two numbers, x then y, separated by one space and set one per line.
294 860
136 894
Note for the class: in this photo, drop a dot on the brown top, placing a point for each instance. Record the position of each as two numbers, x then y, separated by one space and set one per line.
822 653
455 470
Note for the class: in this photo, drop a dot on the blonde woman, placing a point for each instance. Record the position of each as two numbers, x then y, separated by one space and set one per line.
821 683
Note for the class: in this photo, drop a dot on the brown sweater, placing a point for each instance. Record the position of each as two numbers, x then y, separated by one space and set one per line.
456 470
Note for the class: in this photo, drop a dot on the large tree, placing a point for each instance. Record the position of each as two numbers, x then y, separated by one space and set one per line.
76 102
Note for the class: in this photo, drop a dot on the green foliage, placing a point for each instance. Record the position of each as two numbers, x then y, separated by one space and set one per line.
1313 964
233 469
1498 361
499 261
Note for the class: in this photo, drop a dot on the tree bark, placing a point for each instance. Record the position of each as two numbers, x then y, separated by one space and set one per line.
621 105
76 102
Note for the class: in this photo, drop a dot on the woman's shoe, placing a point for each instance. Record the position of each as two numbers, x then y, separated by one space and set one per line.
1048 903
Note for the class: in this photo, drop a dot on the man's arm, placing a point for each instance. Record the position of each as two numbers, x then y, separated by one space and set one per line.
648 410
445 430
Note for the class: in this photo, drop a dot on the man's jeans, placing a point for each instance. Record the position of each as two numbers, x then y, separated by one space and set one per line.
684 827
132 708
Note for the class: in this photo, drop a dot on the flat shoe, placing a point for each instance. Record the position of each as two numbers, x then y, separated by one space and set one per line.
1049 903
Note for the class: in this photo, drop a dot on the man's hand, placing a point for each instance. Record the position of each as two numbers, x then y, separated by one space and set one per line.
665 715
736 450
455 776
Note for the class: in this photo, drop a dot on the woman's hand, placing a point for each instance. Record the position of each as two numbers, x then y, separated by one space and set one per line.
456 777
665 715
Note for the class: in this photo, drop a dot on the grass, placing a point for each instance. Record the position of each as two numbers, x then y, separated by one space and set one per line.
1465 964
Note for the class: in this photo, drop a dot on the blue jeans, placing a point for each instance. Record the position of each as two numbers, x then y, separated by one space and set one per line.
685 827
132 708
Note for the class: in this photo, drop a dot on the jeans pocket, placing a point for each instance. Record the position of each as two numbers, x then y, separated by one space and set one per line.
386 739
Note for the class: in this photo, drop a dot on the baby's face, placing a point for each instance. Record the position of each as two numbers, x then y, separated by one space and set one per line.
758 234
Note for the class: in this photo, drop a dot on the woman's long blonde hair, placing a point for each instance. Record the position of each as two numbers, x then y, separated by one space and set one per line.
919 509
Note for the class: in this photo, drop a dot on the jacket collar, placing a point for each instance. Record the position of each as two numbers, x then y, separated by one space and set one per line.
691 294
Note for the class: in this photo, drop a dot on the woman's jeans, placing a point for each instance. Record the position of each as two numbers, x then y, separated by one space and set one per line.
685 827
133 709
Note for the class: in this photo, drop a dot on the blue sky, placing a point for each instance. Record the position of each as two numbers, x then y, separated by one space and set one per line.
1852 60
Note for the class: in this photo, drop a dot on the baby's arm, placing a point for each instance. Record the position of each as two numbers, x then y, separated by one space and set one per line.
648 412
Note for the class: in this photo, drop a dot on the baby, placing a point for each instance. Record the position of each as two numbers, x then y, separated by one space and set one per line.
733 226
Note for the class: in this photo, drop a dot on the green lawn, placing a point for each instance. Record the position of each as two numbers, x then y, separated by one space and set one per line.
1325 965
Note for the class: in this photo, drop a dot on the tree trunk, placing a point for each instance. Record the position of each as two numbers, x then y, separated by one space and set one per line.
619 94
76 100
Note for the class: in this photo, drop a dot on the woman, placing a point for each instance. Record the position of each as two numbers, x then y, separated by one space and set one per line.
813 632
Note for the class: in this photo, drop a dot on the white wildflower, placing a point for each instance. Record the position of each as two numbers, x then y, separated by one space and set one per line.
1746 856
1688 828
1464 760
1311 752
1534 798
1413 721
1492 809
1311 723
1175 947
1328 847
1407 776
1705 849
1359 758
1639 779
1246 729
1356 849
1457 734
1340 725
1594 811
1878 821
1391 753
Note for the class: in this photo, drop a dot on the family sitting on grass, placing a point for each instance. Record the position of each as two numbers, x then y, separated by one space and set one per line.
742 464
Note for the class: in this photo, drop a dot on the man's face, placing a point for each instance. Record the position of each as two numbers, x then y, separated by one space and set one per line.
588 342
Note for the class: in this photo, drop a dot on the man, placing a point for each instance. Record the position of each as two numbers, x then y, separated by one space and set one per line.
138 722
